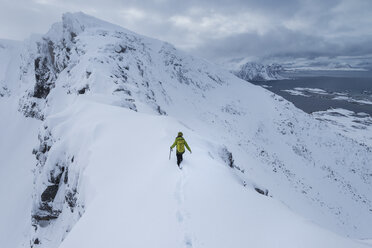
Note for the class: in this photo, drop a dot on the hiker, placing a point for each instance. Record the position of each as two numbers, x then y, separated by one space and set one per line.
180 142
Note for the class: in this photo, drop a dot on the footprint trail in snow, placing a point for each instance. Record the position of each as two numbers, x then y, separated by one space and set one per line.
182 215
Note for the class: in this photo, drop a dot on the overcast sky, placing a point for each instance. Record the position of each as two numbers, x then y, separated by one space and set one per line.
216 29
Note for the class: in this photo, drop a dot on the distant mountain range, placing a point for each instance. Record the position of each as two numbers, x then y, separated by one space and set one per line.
273 68
331 64
258 72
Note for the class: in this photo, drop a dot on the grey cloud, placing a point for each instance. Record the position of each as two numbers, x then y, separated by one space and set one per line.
281 43
299 28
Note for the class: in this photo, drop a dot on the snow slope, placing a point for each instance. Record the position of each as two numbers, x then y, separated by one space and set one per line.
141 199
354 125
108 103
18 138
9 52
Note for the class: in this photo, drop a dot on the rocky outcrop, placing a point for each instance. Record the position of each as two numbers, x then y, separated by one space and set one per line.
52 57
4 91
56 188
259 72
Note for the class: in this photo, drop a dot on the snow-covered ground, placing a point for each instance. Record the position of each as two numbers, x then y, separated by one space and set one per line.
350 99
342 96
18 138
100 106
357 126
300 91
296 93
141 199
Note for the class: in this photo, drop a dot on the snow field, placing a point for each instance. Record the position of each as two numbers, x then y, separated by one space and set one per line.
18 138
136 197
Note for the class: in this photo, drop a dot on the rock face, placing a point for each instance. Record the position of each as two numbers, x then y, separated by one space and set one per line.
51 57
56 187
259 72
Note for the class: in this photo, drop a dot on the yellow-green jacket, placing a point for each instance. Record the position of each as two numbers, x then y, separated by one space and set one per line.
180 142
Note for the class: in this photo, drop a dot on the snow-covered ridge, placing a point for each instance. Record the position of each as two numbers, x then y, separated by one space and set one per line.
109 102
258 72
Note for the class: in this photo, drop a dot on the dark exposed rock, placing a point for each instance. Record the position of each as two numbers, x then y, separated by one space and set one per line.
71 199
88 73
160 111
52 58
140 69
124 91
73 36
4 91
46 217
45 207
49 193
262 191
65 180
31 108
44 148
45 212
44 77
227 157
83 90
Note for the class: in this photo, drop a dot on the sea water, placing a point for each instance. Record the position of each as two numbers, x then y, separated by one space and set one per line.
314 91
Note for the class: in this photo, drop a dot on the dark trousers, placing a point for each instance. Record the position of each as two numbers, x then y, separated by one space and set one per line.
179 158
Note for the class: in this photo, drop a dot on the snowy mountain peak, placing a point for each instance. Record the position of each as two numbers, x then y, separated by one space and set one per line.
76 23
94 57
79 21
